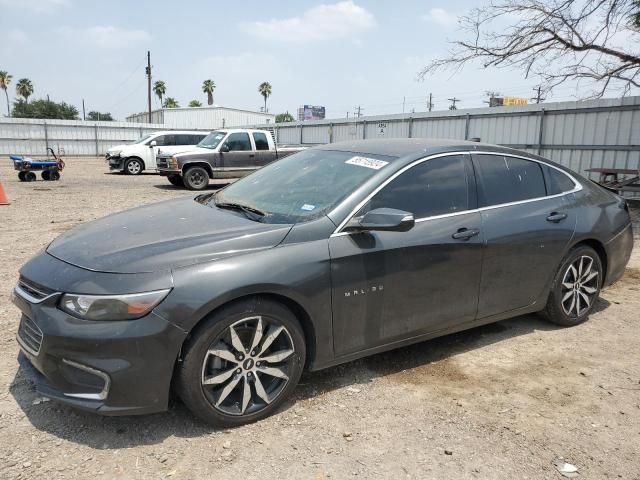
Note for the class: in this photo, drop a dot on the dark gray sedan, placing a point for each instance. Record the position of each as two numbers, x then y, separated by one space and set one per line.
325 256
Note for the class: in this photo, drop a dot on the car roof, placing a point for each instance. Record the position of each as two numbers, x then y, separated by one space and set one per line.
412 147
190 132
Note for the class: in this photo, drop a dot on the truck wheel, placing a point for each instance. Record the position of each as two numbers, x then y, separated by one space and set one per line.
133 166
21 176
196 178
45 175
54 176
29 177
176 180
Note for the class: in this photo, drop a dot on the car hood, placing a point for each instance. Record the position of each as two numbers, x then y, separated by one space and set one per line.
117 148
195 151
163 236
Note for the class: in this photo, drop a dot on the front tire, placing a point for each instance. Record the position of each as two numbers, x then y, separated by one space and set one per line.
242 363
196 178
575 287
175 180
133 166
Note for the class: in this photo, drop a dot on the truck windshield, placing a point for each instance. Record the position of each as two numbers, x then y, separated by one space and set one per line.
212 140
302 186
143 139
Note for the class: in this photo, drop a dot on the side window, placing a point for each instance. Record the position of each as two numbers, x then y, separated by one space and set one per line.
159 140
196 139
434 187
183 139
170 140
260 140
239 141
508 179
559 182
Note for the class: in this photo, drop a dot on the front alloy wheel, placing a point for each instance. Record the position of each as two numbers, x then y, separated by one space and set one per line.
242 362
133 166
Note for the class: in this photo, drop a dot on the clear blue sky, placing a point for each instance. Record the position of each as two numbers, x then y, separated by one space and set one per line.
338 53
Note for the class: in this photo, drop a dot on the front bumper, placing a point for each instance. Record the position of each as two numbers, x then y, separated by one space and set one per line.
112 368
165 171
115 163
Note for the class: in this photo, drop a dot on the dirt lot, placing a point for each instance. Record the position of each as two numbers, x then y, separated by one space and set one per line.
501 401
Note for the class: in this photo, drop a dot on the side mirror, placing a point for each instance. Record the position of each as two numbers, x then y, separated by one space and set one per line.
224 148
153 144
382 219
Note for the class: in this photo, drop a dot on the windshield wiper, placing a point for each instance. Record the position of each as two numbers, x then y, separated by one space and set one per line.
250 212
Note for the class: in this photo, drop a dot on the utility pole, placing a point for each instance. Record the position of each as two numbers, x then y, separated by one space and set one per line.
148 70
404 99
538 98
430 102
83 115
347 114
453 103
358 112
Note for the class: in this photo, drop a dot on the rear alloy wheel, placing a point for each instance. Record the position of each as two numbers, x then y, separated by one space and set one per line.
241 368
576 287
196 178
133 166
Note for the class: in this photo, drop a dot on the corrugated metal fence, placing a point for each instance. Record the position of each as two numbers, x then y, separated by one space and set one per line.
71 137
580 135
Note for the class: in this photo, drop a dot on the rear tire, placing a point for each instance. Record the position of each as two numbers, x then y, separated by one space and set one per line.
175 180
133 166
45 175
576 287
242 362
29 177
196 178
54 176
21 176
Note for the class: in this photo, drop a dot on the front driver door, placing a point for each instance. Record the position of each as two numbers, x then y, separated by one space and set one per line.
240 157
389 286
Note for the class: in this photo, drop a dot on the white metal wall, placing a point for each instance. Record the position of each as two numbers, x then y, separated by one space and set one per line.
203 118
73 137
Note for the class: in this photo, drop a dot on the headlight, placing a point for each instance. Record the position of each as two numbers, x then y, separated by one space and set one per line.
111 307
115 154
173 163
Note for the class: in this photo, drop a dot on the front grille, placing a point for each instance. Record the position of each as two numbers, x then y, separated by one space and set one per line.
38 292
30 336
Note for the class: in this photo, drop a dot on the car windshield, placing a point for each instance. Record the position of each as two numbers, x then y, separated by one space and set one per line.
212 140
302 186
143 139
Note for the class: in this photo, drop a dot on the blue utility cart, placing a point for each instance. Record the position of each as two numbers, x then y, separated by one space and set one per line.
27 167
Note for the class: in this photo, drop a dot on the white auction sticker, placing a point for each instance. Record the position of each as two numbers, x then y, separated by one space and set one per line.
307 207
367 162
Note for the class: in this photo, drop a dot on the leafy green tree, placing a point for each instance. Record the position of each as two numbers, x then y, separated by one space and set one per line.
208 86
171 102
44 109
284 117
160 88
265 90
5 80
195 103
99 116
24 88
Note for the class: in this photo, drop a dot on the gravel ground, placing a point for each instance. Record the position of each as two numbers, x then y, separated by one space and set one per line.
501 401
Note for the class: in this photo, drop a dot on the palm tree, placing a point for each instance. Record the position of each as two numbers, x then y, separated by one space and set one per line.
195 103
24 88
5 80
265 90
171 102
160 88
208 86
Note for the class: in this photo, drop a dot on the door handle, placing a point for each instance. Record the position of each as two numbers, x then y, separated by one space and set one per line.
251 155
556 217
465 233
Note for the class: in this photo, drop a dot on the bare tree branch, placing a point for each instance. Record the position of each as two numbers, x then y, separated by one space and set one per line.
555 40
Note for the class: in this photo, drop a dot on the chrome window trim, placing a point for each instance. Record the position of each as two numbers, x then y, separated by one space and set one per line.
90 396
577 187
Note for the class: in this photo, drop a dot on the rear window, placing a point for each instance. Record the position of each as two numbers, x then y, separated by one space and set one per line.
260 140
559 182
508 179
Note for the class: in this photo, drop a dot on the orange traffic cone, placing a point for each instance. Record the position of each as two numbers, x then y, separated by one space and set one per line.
3 196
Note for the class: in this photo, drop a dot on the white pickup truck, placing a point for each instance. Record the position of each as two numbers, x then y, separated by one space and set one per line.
133 158
228 153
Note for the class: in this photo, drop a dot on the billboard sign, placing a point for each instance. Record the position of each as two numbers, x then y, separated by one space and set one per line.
510 101
313 112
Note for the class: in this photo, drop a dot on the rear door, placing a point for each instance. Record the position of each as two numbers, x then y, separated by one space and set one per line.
526 231
264 155
241 156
